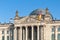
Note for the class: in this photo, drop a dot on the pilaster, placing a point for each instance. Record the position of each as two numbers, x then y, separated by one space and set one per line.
5 34
55 32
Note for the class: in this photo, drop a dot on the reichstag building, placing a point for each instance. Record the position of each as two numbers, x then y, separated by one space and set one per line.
38 25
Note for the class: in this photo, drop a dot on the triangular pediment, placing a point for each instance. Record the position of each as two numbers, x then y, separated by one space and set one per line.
29 20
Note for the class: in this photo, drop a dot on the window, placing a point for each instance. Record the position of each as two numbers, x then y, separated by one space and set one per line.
11 31
7 32
53 29
58 29
7 37
2 37
53 37
3 32
11 37
58 37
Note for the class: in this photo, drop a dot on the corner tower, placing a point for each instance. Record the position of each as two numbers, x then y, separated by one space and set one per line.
16 16
48 17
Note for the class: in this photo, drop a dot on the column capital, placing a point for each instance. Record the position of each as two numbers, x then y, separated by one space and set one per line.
26 26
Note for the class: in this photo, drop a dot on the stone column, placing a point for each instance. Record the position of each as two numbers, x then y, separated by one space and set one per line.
55 33
26 34
42 33
32 32
37 32
5 34
20 35
18 31
9 34
15 34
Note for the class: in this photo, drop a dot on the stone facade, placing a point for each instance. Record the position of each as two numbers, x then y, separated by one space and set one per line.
39 25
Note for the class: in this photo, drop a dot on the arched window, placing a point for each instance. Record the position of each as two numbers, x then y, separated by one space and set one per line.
58 29
52 37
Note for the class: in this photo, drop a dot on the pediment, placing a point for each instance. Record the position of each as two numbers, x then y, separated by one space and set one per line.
29 20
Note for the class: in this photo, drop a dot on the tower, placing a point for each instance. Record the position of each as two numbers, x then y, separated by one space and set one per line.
16 16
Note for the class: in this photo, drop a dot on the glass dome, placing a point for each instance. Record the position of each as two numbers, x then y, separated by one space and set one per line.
37 12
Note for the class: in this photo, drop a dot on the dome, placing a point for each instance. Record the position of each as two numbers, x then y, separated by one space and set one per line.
37 12
45 13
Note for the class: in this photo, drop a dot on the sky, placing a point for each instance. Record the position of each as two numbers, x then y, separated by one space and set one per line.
25 7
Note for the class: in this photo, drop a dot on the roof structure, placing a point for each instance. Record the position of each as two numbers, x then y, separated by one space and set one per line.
37 12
